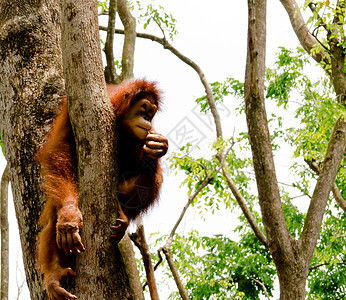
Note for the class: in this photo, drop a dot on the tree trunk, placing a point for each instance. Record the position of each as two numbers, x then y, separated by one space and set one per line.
291 257
30 85
100 270
292 284
291 269
5 179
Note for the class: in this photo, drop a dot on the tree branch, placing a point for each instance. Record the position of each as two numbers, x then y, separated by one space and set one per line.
110 72
338 197
202 185
189 62
305 37
336 192
262 285
335 152
173 268
125 247
243 206
169 241
325 264
5 179
338 57
267 185
129 22
140 241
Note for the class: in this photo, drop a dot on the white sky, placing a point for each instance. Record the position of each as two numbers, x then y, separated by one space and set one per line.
213 34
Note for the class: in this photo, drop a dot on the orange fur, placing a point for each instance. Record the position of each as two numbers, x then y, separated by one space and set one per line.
140 179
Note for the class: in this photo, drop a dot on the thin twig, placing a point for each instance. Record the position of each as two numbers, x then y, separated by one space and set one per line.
262 285
325 264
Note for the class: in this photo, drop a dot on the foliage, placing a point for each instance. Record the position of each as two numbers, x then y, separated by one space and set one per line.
151 12
2 145
220 90
206 262
328 273
216 194
103 5
328 20
286 76
218 268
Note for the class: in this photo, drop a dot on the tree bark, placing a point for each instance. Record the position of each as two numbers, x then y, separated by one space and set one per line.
5 179
30 87
338 54
125 246
100 270
129 22
278 237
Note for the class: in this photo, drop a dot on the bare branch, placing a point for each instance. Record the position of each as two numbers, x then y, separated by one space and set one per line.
104 13
338 197
125 247
110 72
189 62
140 241
202 185
163 32
173 268
243 206
262 285
129 22
325 264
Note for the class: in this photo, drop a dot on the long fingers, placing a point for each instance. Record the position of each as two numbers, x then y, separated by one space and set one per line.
156 145
154 152
68 238
55 291
59 293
